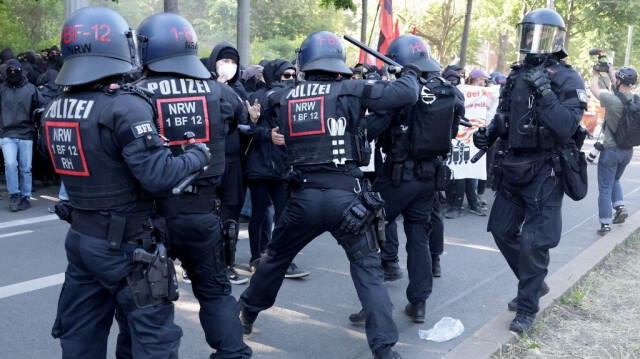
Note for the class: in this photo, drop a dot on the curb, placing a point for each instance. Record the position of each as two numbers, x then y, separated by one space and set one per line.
493 336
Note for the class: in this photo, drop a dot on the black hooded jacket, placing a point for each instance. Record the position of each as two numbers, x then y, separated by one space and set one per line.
265 160
232 144
17 103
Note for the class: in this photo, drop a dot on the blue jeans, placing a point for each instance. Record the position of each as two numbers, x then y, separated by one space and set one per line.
611 165
62 194
17 155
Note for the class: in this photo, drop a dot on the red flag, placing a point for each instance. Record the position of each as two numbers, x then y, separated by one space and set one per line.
366 58
415 31
386 27
396 31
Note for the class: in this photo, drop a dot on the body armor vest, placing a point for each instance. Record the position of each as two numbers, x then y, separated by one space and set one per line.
186 104
94 179
526 131
318 126
431 120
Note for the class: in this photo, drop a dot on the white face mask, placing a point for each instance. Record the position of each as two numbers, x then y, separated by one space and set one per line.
228 70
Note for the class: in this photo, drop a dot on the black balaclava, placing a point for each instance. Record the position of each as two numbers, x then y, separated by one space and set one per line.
14 76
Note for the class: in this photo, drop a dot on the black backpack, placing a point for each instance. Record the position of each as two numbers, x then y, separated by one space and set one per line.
627 135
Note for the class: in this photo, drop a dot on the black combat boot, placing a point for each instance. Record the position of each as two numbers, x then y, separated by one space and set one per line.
544 289
416 311
522 322
392 271
246 319
435 267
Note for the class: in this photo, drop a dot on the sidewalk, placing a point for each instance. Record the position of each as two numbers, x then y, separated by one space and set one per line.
495 336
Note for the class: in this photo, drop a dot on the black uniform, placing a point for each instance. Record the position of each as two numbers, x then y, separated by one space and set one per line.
407 181
319 119
104 145
202 107
529 194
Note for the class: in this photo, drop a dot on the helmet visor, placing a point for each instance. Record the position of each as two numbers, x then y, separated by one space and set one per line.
539 38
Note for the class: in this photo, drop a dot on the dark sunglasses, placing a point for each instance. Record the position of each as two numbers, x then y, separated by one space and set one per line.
288 75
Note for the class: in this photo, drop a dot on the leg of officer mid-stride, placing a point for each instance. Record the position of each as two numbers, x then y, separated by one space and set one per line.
196 240
504 224
296 227
366 273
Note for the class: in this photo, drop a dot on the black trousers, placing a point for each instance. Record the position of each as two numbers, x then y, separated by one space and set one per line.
414 199
536 206
94 290
194 238
264 192
308 214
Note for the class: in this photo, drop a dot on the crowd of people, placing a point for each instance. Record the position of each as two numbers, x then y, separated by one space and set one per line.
314 152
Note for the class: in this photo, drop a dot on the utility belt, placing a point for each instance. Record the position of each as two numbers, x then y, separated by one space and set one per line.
330 180
408 170
141 229
193 200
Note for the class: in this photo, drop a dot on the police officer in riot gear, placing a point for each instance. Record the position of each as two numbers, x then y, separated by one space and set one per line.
415 142
188 101
320 120
540 109
103 142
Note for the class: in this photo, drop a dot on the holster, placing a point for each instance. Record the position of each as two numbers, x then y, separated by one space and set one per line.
154 280
230 239
63 210
362 210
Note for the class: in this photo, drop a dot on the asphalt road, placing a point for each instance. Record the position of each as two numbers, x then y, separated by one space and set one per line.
310 316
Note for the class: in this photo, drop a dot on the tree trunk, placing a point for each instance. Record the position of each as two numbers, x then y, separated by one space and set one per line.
243 31
171 6
568 24
465 35
70 6
502 53
363 28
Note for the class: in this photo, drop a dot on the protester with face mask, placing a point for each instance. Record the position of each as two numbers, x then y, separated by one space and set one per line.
223 63
266 164
18 100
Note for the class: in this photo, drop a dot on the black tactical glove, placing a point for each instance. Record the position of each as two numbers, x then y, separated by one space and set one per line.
411 70
538 78
483 138
354 217
201 148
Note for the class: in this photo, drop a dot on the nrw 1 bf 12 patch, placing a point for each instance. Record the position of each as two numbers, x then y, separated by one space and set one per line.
179 115
65 147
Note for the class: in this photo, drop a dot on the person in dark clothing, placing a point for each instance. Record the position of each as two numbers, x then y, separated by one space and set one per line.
543 102
18 99
320 121
194 229
44 169
266 164
55 59
252 79
223 63
103 142
5 55
416 140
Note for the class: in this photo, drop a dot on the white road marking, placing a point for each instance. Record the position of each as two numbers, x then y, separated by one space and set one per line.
31 285
12 234
22 222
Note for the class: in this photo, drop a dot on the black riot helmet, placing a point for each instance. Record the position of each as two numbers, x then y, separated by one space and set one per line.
323 51
168 43
410 49
541 31
96 43
627 75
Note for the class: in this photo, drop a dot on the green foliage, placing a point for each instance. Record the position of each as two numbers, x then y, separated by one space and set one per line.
339 4
575 299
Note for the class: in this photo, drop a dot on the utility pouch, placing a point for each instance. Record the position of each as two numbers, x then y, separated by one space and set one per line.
396 173
574 172
444 177
425 170
408 170
362 210
364 148
496 170
293 179
230 238
520 170
380 227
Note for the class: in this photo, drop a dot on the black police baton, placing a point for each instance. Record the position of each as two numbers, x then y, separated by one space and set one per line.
190 138
481 152
395 67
